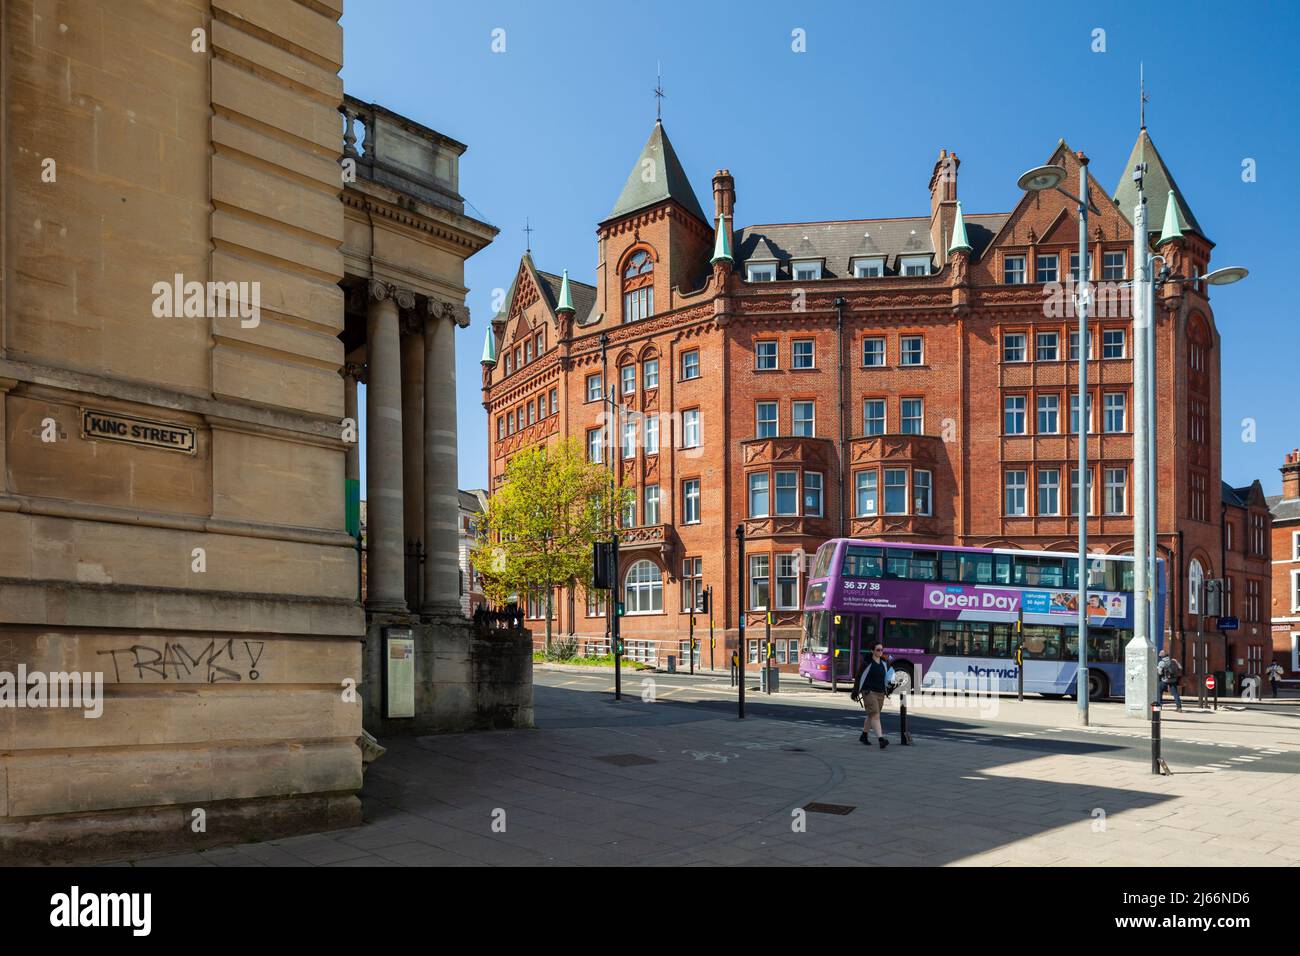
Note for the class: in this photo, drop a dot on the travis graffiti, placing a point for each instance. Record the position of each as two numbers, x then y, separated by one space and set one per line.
216 662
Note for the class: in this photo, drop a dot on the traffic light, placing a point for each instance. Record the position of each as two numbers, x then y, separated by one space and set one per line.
602 557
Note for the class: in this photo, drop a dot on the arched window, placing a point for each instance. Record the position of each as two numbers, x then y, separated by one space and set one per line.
643 589
1195 579
638 287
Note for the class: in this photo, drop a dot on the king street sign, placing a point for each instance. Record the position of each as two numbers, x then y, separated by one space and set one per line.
1228 624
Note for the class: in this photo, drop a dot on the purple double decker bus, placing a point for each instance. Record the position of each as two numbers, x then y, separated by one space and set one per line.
951 615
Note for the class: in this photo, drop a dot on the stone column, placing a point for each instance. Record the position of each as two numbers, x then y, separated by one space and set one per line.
385 588
413 347
441 497
352 373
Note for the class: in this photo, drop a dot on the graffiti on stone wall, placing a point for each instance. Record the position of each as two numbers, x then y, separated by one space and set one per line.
214 662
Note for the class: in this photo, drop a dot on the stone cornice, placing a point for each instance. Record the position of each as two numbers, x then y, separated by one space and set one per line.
462 234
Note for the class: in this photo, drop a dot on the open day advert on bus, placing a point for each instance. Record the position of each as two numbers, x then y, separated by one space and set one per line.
962 602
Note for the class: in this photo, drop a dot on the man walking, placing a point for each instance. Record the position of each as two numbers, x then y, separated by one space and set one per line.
1274 672
1170 672
873 683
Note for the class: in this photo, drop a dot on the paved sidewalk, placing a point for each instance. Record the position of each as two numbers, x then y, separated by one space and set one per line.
637 783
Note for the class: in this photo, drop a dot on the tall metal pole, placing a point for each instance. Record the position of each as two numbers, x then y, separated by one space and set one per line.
1081 680
1153 517
1139 653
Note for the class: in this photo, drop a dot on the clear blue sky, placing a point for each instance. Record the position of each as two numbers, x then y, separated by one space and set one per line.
851 128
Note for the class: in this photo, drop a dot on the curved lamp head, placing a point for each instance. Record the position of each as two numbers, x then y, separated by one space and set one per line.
1042 177
1225 276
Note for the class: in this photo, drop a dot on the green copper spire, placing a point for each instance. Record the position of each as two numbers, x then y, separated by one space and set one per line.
1171 230
489 347
959 242
722 243
566 300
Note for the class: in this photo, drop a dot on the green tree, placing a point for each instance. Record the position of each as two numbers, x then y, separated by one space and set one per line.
541 523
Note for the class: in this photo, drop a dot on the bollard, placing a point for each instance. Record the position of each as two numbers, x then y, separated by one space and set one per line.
902 721
1155 737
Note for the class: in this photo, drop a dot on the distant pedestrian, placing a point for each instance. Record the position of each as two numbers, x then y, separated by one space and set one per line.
735 667
874 681
1170 672
1274 672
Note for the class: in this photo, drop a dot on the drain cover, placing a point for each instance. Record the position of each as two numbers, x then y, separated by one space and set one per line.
839 809
627 760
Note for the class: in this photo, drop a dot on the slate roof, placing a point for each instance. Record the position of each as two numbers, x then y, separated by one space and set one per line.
842 241
1284 509
472 500
669 182
583 295
1157 184
1230 495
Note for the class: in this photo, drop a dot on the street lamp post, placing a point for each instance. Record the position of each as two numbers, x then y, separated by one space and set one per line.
1038 179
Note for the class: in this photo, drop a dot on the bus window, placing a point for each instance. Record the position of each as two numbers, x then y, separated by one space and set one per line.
816 594
860 562
896 564
1004 641
947 639
978 645
822 562
1002 568
948 566
1104 645
1042 641
814 632
977 569
909 634
924 566
1125 575
1071 638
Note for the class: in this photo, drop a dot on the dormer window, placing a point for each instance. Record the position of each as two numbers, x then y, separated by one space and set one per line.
638 287
761 272
914 265
806 270
869 268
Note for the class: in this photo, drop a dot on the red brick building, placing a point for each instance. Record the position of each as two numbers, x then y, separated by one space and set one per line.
907 379
1285 509
1247 580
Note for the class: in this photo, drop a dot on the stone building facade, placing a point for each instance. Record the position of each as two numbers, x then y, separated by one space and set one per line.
901 379
197 266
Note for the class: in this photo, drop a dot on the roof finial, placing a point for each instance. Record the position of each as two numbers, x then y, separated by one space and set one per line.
1142 95
528 233
659 93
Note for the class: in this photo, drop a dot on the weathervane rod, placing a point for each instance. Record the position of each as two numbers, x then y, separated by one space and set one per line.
659 92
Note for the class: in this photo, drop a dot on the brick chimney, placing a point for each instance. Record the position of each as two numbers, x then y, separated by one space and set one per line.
724 194
943 202
1291 475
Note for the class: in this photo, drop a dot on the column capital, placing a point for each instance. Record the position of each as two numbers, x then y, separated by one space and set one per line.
438 309
381 291
353 370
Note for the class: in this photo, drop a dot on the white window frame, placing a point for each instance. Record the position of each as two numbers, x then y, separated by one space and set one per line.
1014 489
759 357
760 272
758 494
1051 486
687 368
1009 270
903 418
760 569
652 434
910 262
1053 409
820 486
1113 487
787 570
650 507
596 393
1040 345
883 417
903 350
868 267
760 421
869 489
1123 344
785 481
627 379
1047 262
691 429
805 265
1013 344
812 353
1013 413
691 493
650 374
886 486
810 420
1195 582
873 339
652 586
917 487
1109 408
1106 267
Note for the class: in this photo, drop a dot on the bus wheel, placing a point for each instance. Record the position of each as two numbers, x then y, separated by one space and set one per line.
1098 686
